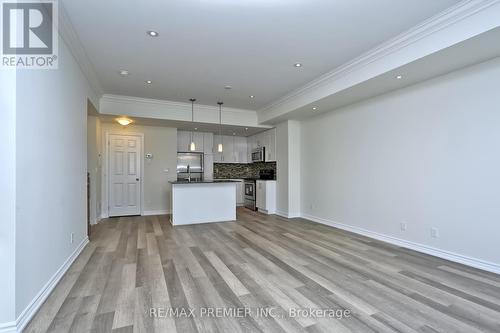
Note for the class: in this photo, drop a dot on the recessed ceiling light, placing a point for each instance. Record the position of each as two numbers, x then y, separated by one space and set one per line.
234 133
149 81
246 128
227 87
314 108
251 96
152 33
124 72
297 64
196 128
399 77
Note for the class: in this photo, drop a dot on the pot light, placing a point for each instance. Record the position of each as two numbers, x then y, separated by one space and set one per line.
314 108
251 96
246 128
297 64
399 77
124 72
228 87
152 33
124 121
149 81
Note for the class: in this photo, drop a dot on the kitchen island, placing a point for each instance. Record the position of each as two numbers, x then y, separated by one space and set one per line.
203 201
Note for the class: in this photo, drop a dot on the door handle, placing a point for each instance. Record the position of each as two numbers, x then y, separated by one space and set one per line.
137 179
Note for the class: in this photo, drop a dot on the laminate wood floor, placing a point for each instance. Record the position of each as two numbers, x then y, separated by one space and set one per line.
137 269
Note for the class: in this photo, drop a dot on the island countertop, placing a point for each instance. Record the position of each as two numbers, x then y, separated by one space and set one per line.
216 181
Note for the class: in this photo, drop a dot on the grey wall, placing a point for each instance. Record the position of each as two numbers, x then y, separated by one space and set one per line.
427 155
94 165
162 143
8 194
51 172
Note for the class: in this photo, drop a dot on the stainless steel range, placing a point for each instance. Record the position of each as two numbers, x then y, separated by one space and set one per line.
250 194
250 188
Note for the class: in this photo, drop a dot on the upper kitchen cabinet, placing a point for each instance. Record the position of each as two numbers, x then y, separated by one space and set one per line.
228 155
240 149
208 143
265 139
184 140
271 145
234 149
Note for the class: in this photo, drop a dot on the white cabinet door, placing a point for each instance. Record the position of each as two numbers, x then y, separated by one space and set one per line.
250 142
217 156
271 146
228 149
239 194
261 195
208 166
208 143
240 149
183 141
198 141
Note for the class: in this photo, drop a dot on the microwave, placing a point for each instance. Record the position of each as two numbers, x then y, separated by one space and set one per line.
258 155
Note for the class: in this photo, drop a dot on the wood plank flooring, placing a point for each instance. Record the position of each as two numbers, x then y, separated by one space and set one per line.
135 266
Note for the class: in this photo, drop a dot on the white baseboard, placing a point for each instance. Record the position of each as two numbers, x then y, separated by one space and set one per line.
455 257
282 214
35 304
155 212
9 327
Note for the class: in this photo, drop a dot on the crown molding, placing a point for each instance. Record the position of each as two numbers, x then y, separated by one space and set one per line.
70 37
169 104
450 16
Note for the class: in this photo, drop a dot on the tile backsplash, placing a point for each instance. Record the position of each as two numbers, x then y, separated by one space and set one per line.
238 171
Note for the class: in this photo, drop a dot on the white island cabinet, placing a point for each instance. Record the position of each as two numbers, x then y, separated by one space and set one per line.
203 202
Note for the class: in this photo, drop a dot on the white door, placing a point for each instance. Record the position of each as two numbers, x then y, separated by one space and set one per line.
124 175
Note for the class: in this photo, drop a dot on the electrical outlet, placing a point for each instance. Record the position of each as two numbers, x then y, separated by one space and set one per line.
72 237
403 226
434 233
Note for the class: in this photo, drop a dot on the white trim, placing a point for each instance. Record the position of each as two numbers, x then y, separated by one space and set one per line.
156 212
169 104
433 25
70 37
282 214
9 327
105 171
455 257
35 304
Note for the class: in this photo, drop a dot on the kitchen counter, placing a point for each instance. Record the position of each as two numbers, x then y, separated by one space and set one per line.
194 182
203 201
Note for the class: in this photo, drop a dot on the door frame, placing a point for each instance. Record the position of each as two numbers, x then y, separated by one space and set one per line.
105 171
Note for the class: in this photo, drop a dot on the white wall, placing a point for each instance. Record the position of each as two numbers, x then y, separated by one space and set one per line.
162 143
7 195
51 172
282 168
288 152
428 155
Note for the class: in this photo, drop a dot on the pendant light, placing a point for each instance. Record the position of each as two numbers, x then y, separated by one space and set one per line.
192 146
219 147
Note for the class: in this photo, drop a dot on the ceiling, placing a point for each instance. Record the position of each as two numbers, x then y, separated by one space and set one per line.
250 45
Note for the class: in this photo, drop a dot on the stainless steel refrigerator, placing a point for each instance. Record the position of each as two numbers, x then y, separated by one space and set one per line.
190 166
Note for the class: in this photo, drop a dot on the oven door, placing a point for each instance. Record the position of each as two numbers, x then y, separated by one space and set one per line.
249 191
